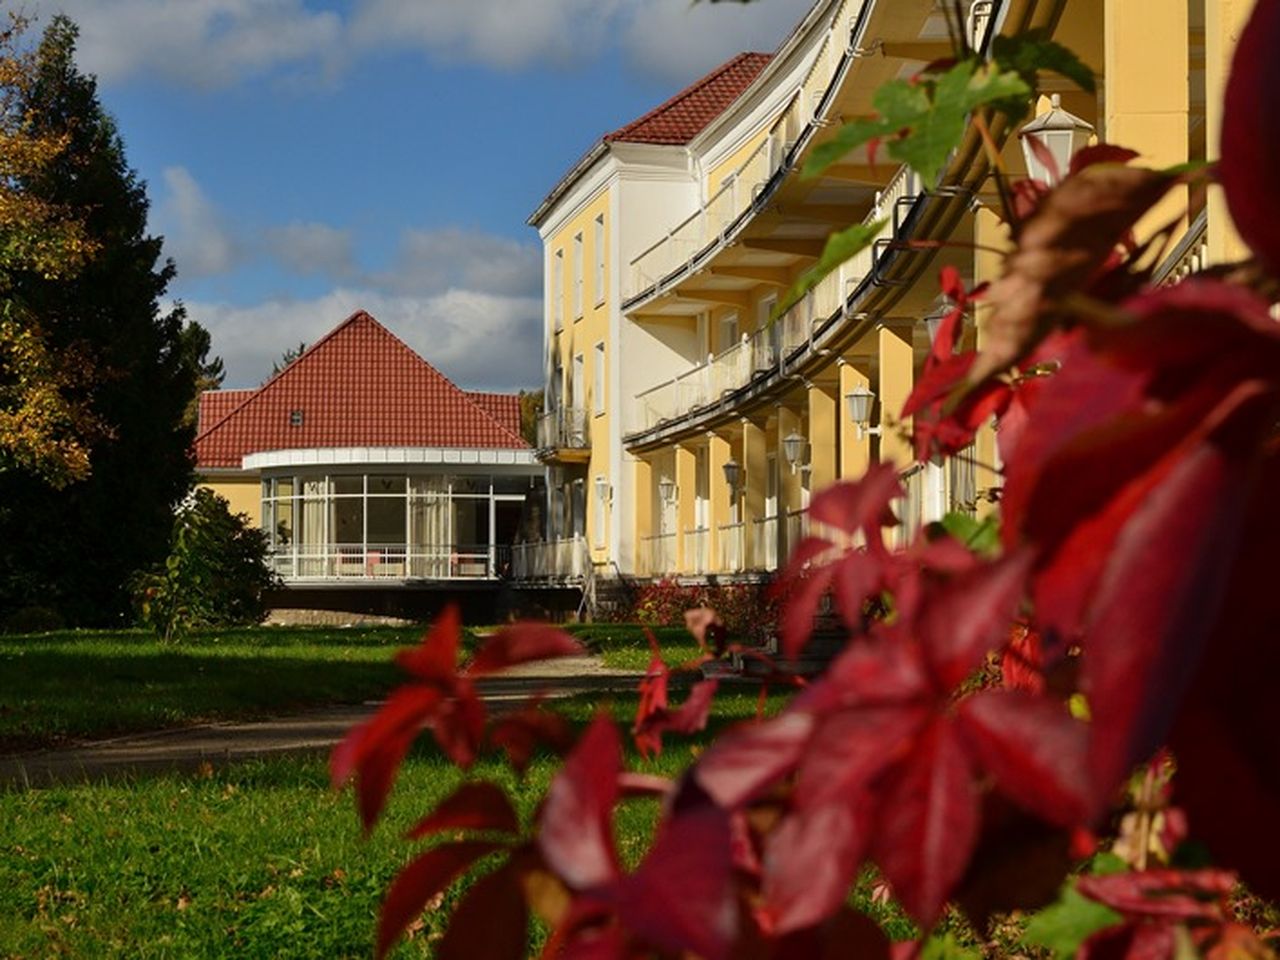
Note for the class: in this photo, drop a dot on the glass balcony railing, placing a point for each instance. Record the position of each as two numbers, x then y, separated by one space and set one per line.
392 561
564 429
566 560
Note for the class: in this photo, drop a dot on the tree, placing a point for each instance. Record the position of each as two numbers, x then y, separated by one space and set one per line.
46 423
1129 604
290 354
196 344
215 575
74 549
531 402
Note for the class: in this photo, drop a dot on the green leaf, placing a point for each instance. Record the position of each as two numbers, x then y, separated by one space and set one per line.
946 947
840 247
980 536
1028 53
926 119
1063 926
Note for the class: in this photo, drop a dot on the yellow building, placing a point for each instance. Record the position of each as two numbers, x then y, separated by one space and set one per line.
684 433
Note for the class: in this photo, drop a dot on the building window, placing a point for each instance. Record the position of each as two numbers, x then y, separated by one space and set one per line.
598 514
577 276
557 289
599 252
577 384
597 385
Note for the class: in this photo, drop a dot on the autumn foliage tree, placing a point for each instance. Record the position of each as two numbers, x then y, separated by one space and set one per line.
1129 602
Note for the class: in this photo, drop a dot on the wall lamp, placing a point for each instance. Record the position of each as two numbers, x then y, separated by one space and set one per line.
733 475
666 490
1061 134
796 449
859 405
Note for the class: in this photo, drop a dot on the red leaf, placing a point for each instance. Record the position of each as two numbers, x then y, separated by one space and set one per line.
576 836
1022 666
744 763
849 749
861 505
682 896
1250 142
810 862
606 943
477 805
436 658
847 934
927 823
521 643
458 725
707 628
1130 941
970 615
1100 153
1035 750
492 921
1159 594
885 670
857 576
428 874
1162 894
374 750
519 734
801 607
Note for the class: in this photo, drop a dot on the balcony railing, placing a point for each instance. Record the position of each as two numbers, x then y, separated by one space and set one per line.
392 561
658 555
1191 255
697 550
710 225
730 540
764 543
567 560
564 429
768 348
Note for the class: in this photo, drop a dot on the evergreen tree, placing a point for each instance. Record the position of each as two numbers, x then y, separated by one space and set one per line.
74 549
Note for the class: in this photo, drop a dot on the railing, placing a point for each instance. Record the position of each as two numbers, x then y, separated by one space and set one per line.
566 560
764 543
709 225
392 561
658 554
565 428
697 550
769 347
1191 255
730 539
911 507
797 527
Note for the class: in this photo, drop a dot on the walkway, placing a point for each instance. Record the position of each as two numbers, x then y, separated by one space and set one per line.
315 731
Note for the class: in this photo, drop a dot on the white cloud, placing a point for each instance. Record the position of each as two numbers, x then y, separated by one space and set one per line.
433 260
201 43
311 248
480 341
681 41
194 232
217 43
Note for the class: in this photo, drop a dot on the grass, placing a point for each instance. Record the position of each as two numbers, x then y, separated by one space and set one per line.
73 684
625 646
258 860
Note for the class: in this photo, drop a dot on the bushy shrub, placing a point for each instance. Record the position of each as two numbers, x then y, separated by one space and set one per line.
748 610
215 575
33 619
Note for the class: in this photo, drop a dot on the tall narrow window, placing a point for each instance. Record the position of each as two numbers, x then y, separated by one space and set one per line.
577 384
577 275
597 380
599 254
557 288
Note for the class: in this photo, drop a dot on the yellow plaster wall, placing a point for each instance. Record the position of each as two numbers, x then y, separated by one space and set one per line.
726 167
579 335
244 494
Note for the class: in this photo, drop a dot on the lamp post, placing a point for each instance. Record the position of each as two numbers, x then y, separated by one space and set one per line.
859 403
1061 134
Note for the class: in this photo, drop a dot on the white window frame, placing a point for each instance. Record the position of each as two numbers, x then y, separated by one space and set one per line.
577 383
599 254
599 509
577 276
598 375
557 288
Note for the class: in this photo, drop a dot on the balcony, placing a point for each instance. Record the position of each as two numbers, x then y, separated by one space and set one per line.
391 562
768 350
730 540
697 550
564 435
555 561
714 223
657 555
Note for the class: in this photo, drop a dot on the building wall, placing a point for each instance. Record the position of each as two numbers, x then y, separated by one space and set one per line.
243 492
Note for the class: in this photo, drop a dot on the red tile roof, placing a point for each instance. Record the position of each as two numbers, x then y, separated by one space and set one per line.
503 407
686 114
216 404
359 386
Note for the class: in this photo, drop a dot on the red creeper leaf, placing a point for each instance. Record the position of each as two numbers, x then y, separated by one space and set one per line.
576 836
521 643
478 805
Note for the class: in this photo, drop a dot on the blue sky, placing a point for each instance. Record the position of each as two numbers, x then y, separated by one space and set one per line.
305 158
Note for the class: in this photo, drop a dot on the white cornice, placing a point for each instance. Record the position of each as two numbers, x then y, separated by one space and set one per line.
506 460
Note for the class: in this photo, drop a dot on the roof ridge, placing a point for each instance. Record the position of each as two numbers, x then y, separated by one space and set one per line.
685 94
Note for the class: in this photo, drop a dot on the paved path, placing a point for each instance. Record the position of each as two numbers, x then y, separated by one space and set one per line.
315 731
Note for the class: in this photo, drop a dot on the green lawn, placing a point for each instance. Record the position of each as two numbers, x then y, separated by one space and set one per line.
77 683
624 646
258 860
